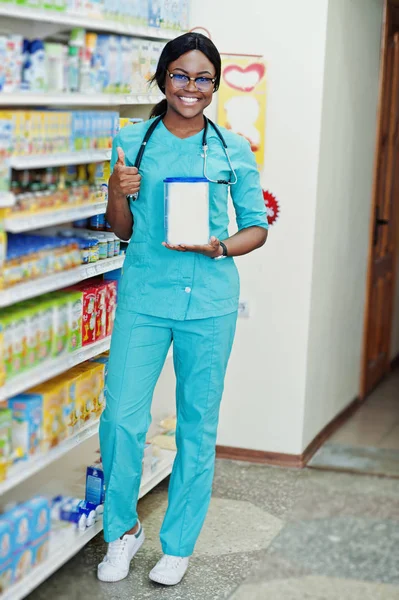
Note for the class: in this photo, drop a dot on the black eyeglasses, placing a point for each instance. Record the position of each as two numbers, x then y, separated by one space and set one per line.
203 84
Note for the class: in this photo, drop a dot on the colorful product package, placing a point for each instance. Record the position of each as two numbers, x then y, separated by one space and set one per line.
32 335
101 309
40 523
46 328
75 312
89 317
95 399
60 323
111 304
2 355
82 379
68 405
18 519
5 320
95 486
5 555
54 396
18 325
5 435
27 419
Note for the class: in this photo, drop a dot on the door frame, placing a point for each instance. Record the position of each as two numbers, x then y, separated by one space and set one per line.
387 31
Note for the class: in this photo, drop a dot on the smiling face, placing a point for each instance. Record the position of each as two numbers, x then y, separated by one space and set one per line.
189 102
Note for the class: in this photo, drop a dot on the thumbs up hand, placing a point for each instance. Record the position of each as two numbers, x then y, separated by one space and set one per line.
126 180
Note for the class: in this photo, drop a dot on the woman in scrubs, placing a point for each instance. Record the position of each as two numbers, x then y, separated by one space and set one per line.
185 294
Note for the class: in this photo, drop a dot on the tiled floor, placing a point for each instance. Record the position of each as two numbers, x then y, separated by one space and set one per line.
271 534
376 423
369 441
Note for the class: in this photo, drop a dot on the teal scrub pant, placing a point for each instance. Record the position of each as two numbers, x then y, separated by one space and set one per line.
201 350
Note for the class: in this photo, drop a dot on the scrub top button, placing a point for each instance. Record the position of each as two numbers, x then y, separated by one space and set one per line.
187 290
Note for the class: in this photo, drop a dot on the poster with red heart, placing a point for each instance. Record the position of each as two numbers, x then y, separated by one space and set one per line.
242 100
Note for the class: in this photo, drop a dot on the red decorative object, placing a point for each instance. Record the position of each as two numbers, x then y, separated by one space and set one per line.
235 76
272 207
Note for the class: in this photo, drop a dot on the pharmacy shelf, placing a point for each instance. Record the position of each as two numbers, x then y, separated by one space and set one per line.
51 368
57 281
20 222
25 469
39 161
67 20
31 99
66 541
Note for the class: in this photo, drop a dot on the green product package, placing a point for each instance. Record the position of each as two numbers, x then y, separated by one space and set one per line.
5 433
61 323
75 310
6 321
45 311
18 324
32 335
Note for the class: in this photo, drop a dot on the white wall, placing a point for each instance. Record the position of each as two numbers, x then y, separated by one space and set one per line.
263 404
343 210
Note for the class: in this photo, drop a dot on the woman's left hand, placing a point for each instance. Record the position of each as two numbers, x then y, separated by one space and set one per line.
213 249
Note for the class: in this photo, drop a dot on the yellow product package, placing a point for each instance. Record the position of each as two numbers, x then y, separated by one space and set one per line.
96 372
87 395
54 397
68 407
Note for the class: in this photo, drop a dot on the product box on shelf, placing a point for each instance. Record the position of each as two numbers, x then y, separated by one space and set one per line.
46 328
154 13
89 315
2 355
74 301
83 395
40 524
27 419
5 555
53 396
111 304
5 439
60 323
101 309
95 486
22 558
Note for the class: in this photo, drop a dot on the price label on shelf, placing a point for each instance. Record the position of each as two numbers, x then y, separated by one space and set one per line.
91 271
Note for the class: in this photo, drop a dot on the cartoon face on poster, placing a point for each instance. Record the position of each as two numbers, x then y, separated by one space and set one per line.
242 100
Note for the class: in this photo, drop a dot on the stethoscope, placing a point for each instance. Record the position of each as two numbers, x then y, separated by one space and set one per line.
208 122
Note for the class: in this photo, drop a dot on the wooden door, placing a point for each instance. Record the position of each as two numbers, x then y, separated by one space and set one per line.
383 251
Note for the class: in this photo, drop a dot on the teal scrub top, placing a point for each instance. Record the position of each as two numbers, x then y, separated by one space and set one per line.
185 285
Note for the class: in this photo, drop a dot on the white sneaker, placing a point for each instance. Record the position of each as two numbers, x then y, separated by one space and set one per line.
170 570
116 563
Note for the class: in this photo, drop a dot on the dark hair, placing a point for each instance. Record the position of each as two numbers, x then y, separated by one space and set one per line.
176 48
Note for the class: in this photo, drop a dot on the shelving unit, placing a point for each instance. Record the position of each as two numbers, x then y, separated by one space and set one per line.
66 541
51 368
25 469
41 161
36 287
66 20
20 222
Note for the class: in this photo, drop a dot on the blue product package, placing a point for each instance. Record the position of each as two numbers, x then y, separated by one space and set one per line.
40 521
6 571
27 420
5 541
95 485
154 13
22 563
18 518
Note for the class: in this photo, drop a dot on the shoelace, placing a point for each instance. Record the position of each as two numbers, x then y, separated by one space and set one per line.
115 551
173 562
